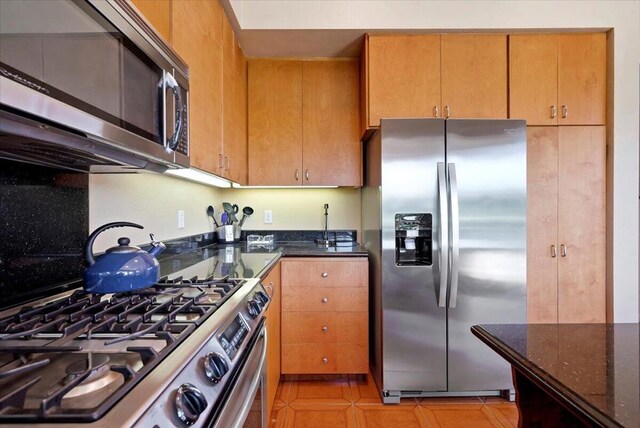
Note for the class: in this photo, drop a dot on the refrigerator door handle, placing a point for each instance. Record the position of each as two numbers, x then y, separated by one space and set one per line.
444 235
455 233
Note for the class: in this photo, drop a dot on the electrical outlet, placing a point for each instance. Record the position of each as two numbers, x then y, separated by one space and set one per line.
180 219
268 216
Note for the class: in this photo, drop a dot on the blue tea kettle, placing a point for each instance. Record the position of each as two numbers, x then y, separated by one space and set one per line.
122 268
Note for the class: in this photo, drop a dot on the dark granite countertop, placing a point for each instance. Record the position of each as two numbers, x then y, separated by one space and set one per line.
592 367
241 260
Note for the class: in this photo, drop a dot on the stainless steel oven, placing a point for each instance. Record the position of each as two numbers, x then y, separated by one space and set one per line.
245 406
95 72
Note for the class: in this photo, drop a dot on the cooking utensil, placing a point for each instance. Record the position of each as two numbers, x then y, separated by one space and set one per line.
231 210
224 219
122 268
246 212
246 272
210 213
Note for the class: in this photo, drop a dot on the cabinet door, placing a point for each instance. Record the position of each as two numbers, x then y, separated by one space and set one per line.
542 224
272 285
197 36
234 96
533 78
582 78
403 76
158 13
474 75
331 149
581 224
275 122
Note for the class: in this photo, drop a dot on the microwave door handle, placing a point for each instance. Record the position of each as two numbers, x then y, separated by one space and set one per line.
174 140
444 235
455 234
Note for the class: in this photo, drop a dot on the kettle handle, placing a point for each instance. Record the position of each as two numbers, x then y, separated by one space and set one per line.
88 249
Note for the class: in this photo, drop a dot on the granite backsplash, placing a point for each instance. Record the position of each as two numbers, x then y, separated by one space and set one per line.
44 225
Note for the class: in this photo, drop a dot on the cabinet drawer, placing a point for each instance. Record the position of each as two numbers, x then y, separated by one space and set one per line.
316 299
324 358
325 327
330 272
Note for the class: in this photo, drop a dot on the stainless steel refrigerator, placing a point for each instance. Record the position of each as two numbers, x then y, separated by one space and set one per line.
444 218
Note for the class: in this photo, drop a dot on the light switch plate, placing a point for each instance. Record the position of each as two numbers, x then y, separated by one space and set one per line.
180 219
268 216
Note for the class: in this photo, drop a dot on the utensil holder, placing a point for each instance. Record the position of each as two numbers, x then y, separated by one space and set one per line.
228 234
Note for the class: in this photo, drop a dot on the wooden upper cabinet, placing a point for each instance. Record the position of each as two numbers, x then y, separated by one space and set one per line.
582 79
158 13
558 79
403 75
533 78
234 97
581 224
474 75
197 37
275 122
542 224
332 152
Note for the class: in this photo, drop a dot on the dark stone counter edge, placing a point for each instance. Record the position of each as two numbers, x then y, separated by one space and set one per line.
565 396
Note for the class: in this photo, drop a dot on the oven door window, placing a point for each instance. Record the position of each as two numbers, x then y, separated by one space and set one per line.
69 51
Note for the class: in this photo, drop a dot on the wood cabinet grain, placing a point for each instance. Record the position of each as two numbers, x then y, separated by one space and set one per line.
234 96
474 75
331 148
197 37
275 122
158 13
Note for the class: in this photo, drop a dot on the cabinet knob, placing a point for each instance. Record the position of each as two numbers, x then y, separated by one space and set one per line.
565 111
554 112
325 360
325 274
325 300
325 329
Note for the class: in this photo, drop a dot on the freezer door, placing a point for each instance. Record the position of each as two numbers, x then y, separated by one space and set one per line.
413 324
487 169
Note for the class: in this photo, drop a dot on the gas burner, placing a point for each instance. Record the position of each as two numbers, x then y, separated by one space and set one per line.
99 375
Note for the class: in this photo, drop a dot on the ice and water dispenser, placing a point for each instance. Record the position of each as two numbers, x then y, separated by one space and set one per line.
413 239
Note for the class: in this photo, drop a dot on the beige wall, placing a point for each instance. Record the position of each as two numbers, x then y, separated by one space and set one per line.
299 209
151 200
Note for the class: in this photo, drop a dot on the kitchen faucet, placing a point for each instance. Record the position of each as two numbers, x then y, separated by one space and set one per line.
325 233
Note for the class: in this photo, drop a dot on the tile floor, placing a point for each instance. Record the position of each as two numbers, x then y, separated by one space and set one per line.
353 402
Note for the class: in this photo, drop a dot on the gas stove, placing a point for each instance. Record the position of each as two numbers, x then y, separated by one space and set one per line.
74 358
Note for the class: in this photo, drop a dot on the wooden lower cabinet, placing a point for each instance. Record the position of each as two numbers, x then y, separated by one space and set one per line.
325 316
566 224
272 315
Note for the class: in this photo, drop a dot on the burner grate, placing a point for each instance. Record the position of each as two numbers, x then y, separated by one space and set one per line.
144 326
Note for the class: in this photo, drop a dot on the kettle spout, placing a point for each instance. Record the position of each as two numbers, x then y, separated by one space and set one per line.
156 246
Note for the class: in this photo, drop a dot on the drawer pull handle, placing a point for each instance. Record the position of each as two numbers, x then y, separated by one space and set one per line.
325 360
325 274
325 329
325 300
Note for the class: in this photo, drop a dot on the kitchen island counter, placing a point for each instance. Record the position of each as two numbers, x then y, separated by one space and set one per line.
571 374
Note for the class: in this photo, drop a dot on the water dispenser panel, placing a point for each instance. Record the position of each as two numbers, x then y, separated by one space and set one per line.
414 239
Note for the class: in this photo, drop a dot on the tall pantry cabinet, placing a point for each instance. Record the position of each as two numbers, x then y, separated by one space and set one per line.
560 79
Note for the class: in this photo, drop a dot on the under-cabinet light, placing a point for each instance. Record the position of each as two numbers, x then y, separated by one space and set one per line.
238 186
198 176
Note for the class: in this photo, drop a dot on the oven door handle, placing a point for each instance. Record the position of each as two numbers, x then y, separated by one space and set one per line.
233 415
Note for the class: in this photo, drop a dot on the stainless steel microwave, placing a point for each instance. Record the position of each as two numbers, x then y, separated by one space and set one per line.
88 85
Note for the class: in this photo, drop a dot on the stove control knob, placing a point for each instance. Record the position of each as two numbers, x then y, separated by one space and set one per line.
262 297
215 367
190 403
254 308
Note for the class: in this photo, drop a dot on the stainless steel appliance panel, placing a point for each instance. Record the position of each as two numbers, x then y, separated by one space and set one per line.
487 169
413 324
